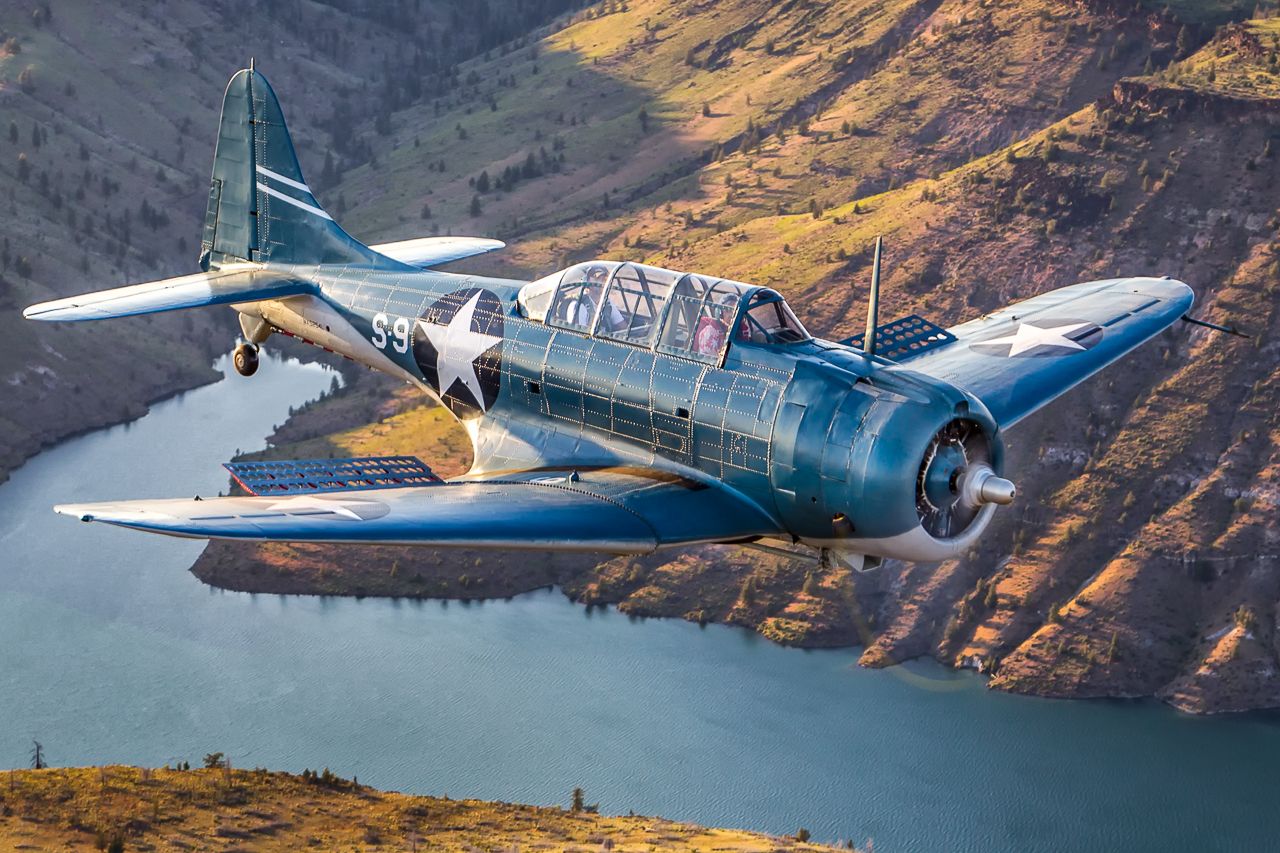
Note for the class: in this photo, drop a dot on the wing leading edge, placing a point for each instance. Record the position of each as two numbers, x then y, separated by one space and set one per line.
1021 357
220 287
615 510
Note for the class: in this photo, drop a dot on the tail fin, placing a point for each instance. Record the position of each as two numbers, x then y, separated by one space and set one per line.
260 208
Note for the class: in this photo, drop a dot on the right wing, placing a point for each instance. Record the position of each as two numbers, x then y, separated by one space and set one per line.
242 283
620 510
1021 357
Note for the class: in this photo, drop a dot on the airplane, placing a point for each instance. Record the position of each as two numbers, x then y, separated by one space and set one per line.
613 406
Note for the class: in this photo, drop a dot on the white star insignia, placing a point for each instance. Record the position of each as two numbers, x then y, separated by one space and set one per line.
337 506
1028 337
457 348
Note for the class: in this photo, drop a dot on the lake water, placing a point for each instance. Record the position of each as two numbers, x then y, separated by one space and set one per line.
110 651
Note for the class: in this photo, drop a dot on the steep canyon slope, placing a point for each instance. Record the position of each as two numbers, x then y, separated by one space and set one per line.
1003 149
108 119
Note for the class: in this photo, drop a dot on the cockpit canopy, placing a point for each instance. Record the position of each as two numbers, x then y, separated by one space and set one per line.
683 314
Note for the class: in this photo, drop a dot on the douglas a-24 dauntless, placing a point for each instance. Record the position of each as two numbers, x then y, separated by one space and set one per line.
613 407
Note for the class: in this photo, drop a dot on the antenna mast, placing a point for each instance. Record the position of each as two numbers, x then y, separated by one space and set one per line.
873 303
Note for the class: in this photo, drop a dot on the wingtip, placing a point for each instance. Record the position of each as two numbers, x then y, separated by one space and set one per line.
1167 288
33 312
79 511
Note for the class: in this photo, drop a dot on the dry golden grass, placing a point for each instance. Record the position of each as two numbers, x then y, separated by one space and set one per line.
162 810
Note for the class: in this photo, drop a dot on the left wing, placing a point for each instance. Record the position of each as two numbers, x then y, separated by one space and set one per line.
620 510
431 251
1019 358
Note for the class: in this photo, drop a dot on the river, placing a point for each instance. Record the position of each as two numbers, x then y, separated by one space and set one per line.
110 651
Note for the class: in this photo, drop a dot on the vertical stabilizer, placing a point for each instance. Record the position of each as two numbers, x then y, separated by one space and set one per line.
260 207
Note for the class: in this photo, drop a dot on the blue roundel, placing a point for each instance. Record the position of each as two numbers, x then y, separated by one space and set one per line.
457 345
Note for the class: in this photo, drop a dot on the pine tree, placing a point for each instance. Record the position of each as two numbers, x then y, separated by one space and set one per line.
13 132
476 209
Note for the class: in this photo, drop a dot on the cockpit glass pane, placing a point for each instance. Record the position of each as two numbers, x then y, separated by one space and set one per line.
633 307
579 295
697 324
769 321
535 297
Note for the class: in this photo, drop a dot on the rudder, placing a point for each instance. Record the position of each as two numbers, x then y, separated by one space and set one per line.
260 207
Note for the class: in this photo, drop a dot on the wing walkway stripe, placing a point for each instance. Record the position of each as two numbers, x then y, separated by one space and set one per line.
289 182
293 201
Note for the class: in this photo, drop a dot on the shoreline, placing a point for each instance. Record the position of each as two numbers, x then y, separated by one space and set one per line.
792 605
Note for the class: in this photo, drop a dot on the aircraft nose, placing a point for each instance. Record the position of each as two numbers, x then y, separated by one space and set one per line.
997 490
979 485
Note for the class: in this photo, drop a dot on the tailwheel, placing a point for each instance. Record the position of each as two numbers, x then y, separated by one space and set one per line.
245 358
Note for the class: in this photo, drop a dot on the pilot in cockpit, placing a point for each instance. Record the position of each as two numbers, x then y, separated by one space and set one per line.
713 326
581 310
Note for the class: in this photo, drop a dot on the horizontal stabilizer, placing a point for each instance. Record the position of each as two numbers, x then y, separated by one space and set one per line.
221 287
314 476
431 251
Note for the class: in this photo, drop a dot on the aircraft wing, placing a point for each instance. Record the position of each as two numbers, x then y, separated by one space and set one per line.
1019 358
622 510
431 251
219 287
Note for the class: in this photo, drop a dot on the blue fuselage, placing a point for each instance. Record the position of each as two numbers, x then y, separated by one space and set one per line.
811 432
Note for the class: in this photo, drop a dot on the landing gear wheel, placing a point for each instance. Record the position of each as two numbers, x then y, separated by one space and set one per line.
245 358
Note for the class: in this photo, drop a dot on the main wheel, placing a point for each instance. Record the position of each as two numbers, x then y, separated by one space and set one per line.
245 358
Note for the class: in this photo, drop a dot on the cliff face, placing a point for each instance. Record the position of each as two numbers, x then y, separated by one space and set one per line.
1141 557
1003 149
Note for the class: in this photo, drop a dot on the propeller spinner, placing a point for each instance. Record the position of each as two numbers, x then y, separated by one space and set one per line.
956 480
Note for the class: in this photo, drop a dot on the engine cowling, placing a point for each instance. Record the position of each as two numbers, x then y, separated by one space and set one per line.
904 467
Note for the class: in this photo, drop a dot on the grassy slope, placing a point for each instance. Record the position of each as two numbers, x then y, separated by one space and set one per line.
130 101
261 811
1144 517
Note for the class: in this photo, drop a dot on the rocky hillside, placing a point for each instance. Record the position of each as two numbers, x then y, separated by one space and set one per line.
1141 558
132 808
107 128
1003 149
